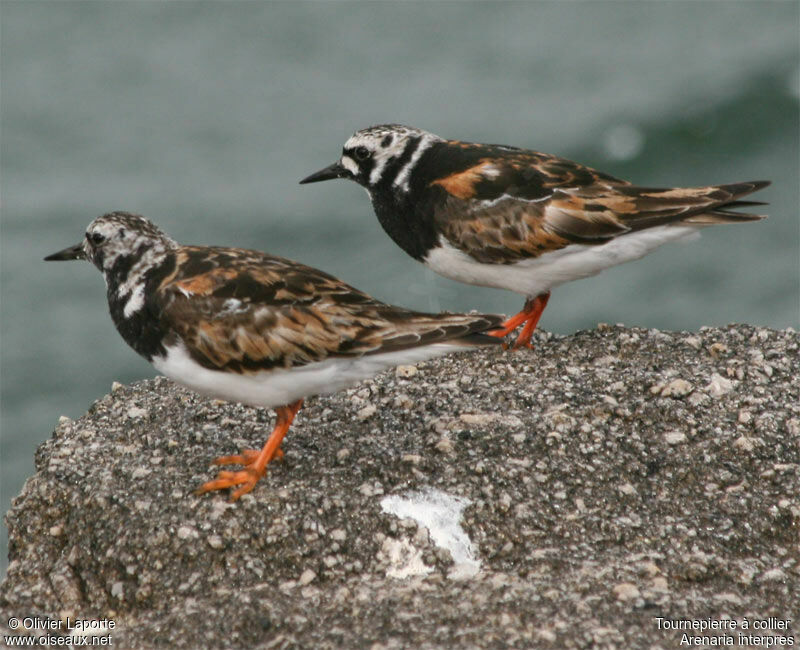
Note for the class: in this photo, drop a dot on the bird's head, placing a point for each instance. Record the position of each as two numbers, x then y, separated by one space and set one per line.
375 155
115 241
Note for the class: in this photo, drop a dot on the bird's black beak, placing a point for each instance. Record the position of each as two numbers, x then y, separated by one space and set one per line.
75 252
336 170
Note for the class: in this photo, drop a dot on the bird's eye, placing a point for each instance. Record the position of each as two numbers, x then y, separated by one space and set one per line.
362 153
96 238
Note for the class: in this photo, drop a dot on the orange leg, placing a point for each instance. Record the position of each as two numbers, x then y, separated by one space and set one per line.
246 457
529 315
255 462
539 303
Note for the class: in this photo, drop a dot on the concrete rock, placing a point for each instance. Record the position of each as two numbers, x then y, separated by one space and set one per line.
588 514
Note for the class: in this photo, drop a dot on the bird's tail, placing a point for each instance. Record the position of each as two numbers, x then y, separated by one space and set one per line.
645 207
725 212
446 328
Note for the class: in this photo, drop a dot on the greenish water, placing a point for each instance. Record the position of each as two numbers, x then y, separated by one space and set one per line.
204 116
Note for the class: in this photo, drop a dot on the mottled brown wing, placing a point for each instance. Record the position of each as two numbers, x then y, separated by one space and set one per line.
515 204
488 172
245 311
507 208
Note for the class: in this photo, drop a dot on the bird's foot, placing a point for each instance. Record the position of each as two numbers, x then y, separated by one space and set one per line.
254 461
247 477
529 315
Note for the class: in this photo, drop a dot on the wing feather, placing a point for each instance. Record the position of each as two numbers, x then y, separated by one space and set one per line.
512 204
246 311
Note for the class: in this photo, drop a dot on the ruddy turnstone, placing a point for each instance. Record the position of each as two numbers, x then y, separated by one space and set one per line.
516 219
245 326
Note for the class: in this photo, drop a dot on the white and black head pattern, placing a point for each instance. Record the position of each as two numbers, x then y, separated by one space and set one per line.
134 256
126 248
118 241
379 156
385 153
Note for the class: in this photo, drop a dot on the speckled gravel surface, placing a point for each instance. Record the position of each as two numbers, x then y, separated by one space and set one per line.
615 476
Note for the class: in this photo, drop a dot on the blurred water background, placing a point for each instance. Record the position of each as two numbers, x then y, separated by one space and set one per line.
205 115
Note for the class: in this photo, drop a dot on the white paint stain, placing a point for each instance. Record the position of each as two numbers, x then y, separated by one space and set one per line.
440 513
405 560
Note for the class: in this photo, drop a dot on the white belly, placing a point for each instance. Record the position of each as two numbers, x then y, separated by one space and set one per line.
279 387
533 276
